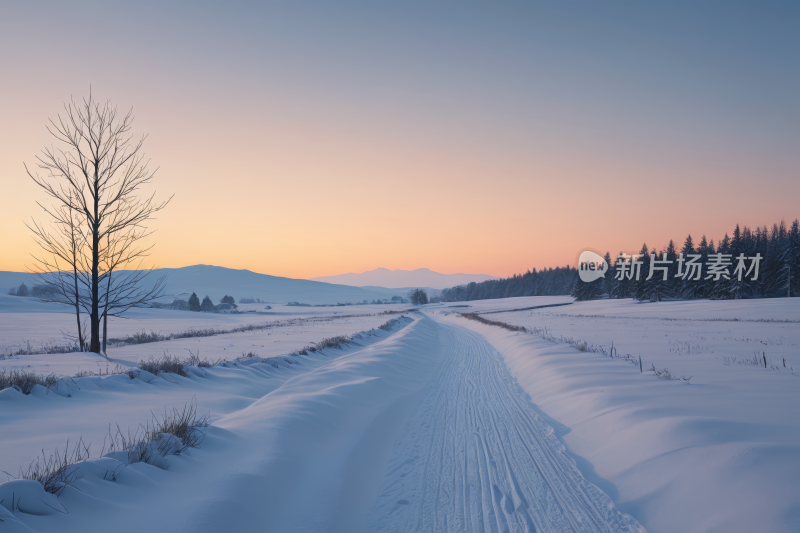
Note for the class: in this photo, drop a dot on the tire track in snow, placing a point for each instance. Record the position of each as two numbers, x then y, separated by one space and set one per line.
475 457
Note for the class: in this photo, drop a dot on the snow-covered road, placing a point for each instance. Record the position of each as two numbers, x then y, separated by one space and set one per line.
474 456
425 430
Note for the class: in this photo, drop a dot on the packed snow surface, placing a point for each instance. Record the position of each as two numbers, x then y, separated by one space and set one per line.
439 423
474 456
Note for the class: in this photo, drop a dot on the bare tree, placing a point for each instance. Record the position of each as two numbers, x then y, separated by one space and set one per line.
95 176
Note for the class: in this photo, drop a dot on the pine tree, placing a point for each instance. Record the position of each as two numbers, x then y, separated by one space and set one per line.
608 279
672 286
704 286
622 286
750 247
736 288
194 303
656 288
794 239
789 278
583 291
207 306
758 287
688 288
578 290
772 265
719 289
641 288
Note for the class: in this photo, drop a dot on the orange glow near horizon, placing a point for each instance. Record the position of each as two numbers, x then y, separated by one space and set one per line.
357 204
472 153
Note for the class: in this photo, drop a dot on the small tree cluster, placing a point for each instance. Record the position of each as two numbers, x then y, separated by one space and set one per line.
43 292
206 306
22 290
418 297
544 282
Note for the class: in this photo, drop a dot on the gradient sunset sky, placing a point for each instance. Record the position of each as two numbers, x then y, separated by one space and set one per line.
309 139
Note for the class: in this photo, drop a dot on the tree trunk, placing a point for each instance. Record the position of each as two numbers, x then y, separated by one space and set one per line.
94 344
81 342
105 316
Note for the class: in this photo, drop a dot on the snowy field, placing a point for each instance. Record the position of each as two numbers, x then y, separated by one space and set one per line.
290 328
438 423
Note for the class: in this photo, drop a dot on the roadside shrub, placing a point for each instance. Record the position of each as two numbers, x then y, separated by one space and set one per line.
25 380
340 341
166 363
194 360
142 337
56 472
504 325
386 326
150 442
183 424
333 342
118 369
171 434
46 348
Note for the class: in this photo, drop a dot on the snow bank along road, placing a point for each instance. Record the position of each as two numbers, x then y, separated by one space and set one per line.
423 431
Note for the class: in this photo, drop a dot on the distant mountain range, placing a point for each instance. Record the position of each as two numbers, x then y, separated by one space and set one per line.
397 279
216 282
